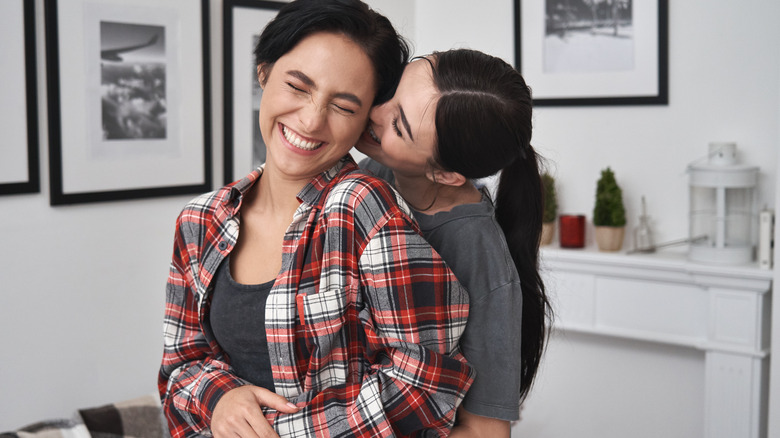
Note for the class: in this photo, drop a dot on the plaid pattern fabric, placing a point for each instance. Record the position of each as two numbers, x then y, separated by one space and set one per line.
363 321
136 418
58 428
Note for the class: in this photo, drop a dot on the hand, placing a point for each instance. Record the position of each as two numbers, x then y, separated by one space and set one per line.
238 413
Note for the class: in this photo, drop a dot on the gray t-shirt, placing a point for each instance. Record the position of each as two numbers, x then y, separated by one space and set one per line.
237 319
473 245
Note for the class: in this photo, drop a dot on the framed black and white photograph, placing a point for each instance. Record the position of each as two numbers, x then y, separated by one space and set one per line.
128 99
593 52
19 167
243 22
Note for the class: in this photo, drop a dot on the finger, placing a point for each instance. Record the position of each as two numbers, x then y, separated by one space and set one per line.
261 428
255 420
235 429
247 430
275 401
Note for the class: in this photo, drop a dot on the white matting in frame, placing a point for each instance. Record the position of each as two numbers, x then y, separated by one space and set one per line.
635 73
18 106
131 114
109 30
244 147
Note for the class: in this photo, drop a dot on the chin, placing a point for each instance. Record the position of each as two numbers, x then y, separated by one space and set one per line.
366 142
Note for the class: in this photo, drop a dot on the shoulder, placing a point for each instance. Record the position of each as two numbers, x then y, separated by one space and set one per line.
366 195
472 243
204 204
473 236
477 218
207 204
377 169
200 211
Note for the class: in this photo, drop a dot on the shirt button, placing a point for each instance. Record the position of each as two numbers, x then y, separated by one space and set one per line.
222 245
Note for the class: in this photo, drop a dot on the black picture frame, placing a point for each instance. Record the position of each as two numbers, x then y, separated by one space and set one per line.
21 142
646 84
170 100
241 134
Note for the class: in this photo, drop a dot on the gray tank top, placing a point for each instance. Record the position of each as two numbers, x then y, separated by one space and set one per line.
237 319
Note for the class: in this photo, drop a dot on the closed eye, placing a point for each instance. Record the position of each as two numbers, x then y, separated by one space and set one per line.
344 109
296 88
396 129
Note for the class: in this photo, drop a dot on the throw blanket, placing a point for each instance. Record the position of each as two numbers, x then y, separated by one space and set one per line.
137 418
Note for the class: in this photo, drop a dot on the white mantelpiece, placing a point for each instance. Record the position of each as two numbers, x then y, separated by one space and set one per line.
662 297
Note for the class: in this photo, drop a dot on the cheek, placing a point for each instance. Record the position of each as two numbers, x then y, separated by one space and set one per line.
264 122
392 142
350 129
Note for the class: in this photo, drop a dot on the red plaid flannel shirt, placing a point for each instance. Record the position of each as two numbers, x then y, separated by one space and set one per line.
363 320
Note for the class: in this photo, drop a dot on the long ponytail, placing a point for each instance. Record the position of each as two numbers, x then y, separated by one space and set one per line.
483 126
519 212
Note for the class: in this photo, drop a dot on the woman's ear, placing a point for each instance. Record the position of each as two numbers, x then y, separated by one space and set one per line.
446 178
261 75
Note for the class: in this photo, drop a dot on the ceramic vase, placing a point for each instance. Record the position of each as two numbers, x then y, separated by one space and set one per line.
548 231
610 238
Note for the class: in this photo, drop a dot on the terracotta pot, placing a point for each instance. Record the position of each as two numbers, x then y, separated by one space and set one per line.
610 238
548 231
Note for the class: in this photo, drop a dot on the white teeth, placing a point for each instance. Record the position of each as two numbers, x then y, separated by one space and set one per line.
373 134
298 142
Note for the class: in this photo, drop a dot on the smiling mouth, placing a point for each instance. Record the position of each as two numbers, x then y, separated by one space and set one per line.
372 134
298 141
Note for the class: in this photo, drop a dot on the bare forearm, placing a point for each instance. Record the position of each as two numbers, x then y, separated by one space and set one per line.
469 425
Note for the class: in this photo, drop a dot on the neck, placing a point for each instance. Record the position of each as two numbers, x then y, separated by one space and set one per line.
426 196
275 195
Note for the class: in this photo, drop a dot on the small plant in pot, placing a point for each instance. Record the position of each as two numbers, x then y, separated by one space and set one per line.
550 209
609 214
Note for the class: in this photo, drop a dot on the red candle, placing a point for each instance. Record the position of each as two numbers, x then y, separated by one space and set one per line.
572 230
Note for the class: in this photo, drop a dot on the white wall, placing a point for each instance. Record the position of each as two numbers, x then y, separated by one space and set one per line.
83 286
485 25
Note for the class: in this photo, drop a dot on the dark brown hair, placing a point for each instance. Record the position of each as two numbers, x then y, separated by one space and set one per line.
483 126
373 32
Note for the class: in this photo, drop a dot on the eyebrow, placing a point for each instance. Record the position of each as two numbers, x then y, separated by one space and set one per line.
405 122
301 76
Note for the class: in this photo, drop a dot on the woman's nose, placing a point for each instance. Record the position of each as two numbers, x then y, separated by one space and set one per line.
312 117
377 115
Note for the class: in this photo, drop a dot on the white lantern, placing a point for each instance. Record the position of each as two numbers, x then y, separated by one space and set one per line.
722 207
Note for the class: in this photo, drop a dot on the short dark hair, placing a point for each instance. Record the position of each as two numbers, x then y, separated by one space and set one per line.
373 32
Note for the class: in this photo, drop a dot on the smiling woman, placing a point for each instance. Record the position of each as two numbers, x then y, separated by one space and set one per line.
310 117
299 298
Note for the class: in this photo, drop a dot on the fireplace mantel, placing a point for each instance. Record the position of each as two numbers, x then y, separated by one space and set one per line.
662 297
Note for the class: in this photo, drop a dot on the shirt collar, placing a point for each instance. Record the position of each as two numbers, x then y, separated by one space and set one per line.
313 191
238 189
310 194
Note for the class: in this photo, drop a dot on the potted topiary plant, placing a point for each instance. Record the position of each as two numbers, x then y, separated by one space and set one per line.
550 209
609 214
